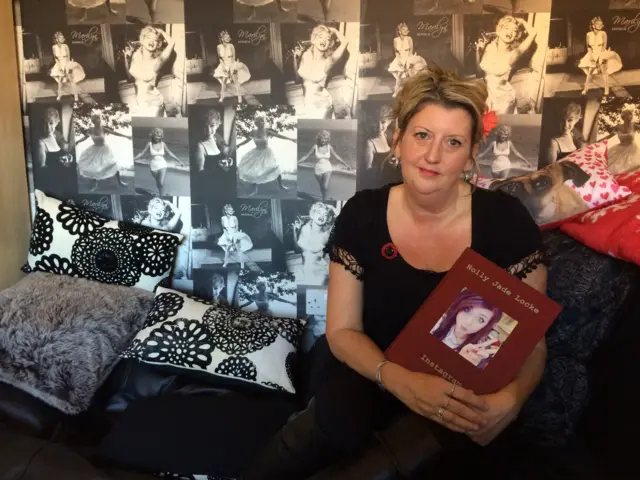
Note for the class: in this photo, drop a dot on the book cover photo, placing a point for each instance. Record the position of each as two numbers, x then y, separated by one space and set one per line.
476 328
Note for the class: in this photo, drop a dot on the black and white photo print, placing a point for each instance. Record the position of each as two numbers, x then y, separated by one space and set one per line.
63 63
149 68
161 156
319 64
623 4
593 53
212 152
103 148
512 148
509 52
270 293
306 230
95 12
395 47
376 166
269 11
312 307
222 233
103 205
517 6
155 11
172 214
566 126
54 164
260 133
216 284
430 7
327 151
229 63
324 11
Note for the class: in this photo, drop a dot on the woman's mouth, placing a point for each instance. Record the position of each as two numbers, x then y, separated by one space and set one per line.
427 173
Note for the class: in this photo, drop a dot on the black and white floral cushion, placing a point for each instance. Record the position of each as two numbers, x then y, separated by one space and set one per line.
219 340
68 240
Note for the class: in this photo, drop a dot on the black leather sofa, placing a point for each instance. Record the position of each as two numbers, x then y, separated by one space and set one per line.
579 424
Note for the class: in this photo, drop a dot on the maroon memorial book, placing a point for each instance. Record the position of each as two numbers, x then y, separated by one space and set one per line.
476 328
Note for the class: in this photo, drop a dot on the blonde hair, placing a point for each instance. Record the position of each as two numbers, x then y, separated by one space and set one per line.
441 87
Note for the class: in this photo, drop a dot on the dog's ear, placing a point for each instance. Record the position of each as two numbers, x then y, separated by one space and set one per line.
573 172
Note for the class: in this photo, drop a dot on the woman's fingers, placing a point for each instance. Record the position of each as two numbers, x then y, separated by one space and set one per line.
454 422
469 398
462 411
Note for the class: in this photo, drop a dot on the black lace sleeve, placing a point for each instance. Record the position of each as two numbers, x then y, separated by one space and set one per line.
521 239
345 242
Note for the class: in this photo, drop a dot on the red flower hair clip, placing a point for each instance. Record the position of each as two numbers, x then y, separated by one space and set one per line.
489 122
389 251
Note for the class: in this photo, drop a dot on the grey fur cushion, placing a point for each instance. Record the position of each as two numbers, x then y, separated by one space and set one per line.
60 336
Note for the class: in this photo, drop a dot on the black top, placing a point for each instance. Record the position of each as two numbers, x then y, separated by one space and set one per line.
502 231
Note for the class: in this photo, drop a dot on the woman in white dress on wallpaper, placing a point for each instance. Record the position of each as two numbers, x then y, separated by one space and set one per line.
625 156
233 240
322 169
161 215
406 62
261 3
313 64
157 149
260 165
599 58
143 63
500 150
311 236
496 57
66 71
230 70
98 162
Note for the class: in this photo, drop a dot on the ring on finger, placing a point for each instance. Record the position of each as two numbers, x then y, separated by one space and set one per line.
440 412
453 390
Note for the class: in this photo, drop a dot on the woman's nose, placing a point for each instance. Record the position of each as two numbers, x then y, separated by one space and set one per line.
433 152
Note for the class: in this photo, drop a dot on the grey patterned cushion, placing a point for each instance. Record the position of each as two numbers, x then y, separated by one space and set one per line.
591 287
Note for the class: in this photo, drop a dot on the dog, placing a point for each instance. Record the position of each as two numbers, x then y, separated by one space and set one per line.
545 192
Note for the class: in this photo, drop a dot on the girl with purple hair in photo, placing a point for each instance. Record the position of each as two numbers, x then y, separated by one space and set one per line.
465 328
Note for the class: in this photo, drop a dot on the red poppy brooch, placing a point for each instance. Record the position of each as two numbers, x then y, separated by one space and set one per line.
489 122
389 251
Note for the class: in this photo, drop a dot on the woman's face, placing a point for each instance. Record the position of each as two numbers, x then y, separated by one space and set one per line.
149 42
384 124
52 124
435 149
225 37
626 116
507 32
96 120
156 137
262 287
259 121
598 24
212 128
471 320
319 216
60 38
323 140
228 211
403 30
570 122
156 210
503 136
321 41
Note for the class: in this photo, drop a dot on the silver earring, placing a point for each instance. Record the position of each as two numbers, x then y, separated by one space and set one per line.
466 176
395 161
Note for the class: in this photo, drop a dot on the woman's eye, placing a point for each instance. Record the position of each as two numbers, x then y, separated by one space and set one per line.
422 135
455 143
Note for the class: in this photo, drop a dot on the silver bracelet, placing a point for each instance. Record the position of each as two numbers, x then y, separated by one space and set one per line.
379 373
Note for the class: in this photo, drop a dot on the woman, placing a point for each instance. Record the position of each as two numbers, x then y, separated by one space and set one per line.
161 215
263 299
86 5
599 57
430 219
406 62
230 71
322 169
260 165
66 71
311 237
326 48
233 240
54 170
212 169
569 139
157 150
98 162
625 156
496 59
142 64
501 149
376 169
466 326
259 3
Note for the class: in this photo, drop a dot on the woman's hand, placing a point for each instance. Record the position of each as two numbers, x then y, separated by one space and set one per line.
503 408
477 352
433 397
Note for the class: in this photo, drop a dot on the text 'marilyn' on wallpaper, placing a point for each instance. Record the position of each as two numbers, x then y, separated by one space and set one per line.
247 124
